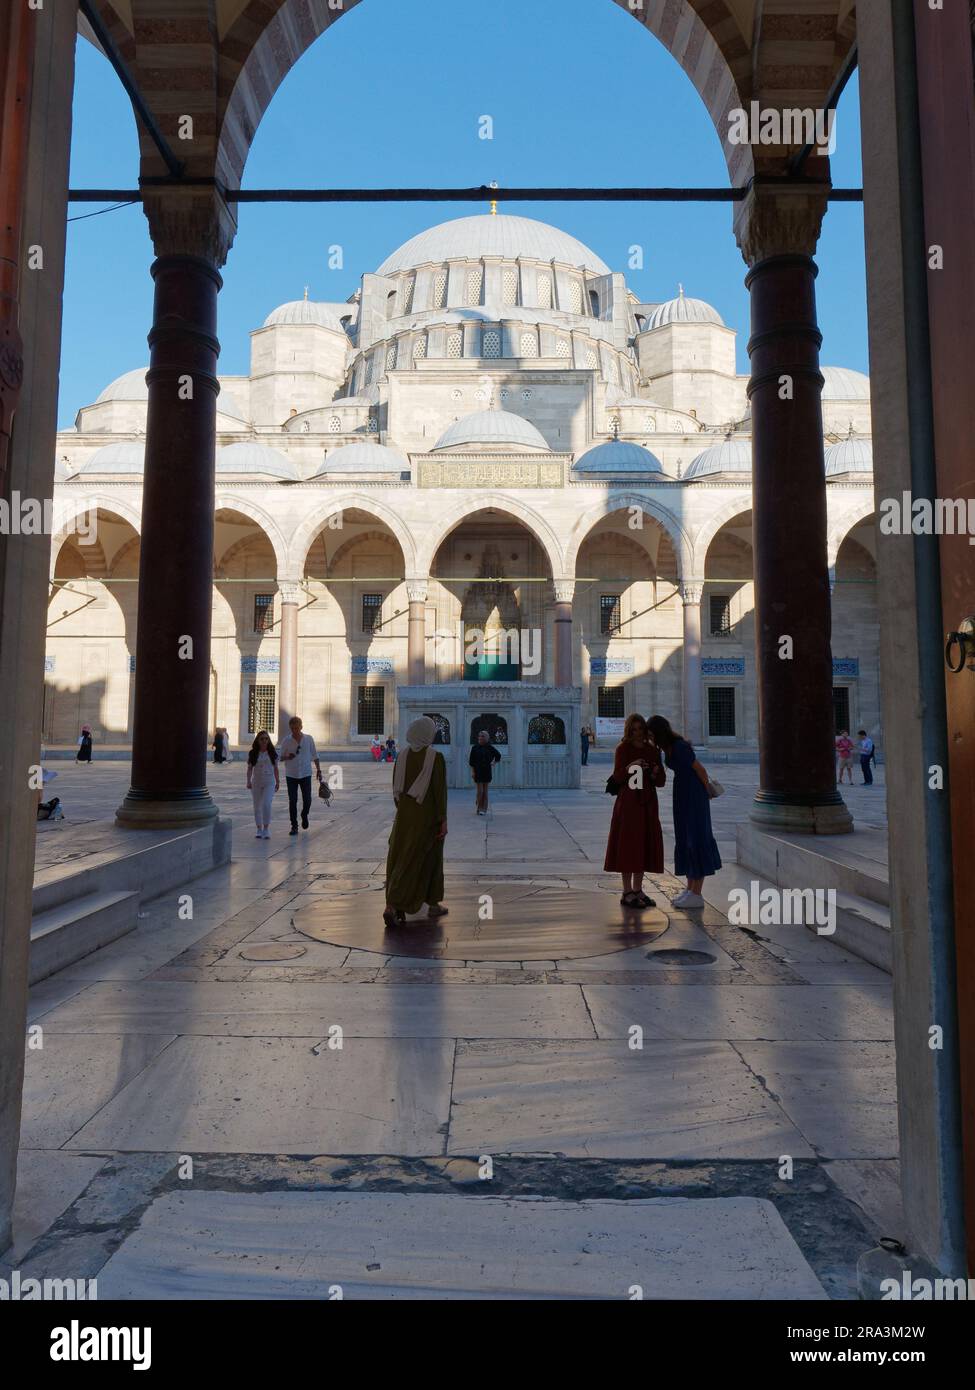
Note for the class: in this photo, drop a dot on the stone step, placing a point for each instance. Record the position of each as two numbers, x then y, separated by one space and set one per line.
863 928
813 861
64 934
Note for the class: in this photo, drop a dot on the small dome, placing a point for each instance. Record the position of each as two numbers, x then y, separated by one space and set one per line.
491 427
849 456
470 238
363 458
682 310
730 456
227 405
61 471
844 384
304 311
131 386
255 459
618 456
117 458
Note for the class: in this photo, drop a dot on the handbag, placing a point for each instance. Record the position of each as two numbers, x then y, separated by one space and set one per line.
612 787
715 789
325 791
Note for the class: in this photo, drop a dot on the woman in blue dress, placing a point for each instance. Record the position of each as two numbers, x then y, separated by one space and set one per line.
695 851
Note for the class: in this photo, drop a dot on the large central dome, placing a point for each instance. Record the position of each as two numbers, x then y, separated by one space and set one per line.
470 238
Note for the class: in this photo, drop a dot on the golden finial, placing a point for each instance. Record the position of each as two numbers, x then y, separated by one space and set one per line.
306 291
494 201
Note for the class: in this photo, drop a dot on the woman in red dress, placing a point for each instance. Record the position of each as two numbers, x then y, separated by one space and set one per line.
636 845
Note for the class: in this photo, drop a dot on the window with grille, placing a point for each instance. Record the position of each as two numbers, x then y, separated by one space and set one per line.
575 297
440 290
371 709
491 343
455 345
419 348
263 612
609 702
562 348
592 360
334 425
509 287
720 605
529 345
391 358
373 425
841 707
544 292
371 611
721 711
609 613
473 286
262 709
408 294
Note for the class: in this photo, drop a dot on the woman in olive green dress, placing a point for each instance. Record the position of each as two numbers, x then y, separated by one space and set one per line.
414 865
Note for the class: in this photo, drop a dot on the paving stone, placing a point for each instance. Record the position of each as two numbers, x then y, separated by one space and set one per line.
73 1075
742 1012
48 1181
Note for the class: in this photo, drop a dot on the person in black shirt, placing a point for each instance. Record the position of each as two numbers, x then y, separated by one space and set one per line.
483 756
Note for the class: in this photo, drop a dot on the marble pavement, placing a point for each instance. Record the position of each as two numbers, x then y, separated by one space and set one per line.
269 1099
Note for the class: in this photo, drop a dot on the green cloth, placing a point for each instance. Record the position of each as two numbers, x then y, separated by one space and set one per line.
414 864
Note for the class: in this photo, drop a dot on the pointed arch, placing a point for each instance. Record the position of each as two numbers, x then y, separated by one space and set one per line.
232 502
621 502
81 506
736 506
511 506
301 541
839 529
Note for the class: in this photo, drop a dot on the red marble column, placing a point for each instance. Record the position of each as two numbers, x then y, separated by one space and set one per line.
564 591
172 670
792 598
416 647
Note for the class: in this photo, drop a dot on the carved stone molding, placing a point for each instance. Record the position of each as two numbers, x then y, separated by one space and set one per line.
289 590
190 222
564 590
690 593
416 590
779 218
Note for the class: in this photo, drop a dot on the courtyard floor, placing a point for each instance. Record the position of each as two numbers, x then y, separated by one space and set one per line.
538 1096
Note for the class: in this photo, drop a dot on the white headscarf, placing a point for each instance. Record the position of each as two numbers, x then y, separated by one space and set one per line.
419 735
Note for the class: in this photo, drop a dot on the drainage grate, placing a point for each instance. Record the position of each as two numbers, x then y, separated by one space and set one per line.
676 956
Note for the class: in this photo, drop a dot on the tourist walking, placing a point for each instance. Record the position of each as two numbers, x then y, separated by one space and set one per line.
695 851
298 752
414 864
84 745
263 780
636 844
219 746
867 752
482 759
844 751
587 738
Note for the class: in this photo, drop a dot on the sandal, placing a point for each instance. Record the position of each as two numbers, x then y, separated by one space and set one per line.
629 899
394 918
437 910
645 901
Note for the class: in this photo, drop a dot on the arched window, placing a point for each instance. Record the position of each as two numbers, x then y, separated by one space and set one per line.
440 290
391 305
594 303
493 725
419 348
546 728
491 342
391 357
473 286
334 425
455 345
575 297
509 287
442 737
408 294
544 294
529 345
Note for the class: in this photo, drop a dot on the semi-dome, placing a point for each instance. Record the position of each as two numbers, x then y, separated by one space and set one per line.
682 310
363 458
849 456
844 384
117 458
492 427
618 456
303 311
470 238
256 459
130 386
730 456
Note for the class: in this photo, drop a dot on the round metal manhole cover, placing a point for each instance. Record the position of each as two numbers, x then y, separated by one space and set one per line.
490 922
678 956
272 950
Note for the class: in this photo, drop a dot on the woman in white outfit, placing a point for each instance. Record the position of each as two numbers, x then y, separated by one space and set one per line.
263 780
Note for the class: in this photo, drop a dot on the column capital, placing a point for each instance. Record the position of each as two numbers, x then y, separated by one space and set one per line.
564 590
289 590
417 589
192 221
690 593
780 218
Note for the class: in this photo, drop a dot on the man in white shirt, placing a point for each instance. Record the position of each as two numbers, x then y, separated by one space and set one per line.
298 752
866 753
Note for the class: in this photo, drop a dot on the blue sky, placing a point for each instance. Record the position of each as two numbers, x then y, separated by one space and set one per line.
391 96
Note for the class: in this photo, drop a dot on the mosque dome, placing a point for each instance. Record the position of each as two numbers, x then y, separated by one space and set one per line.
618 456
132 386
61 471
682 310
509 238
303 311
363 458
849 456
117 458
492 427
732 455
844 384
255 459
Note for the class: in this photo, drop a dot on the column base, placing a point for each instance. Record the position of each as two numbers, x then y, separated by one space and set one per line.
166 810
804 813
